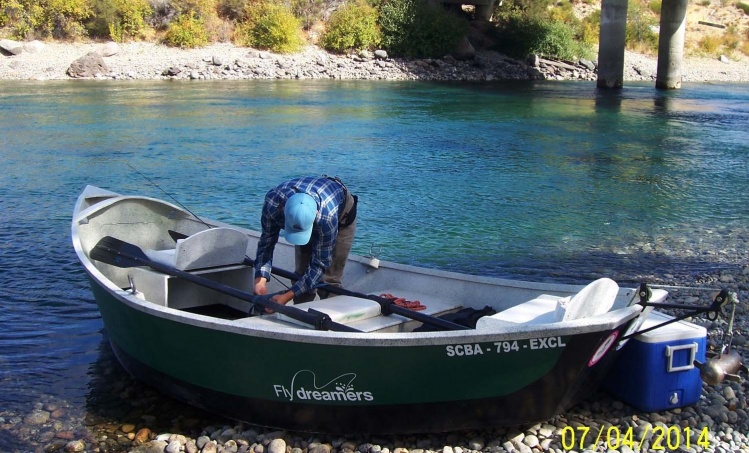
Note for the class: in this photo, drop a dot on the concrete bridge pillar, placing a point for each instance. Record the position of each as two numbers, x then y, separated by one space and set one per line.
484 12
671 44
611 43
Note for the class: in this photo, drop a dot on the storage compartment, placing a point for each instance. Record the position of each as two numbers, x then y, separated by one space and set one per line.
173 292
655 370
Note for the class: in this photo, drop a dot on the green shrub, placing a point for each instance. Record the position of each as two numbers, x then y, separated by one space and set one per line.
4 19
590 29
59 19
743 7
133 14
640 35
522 36
104 13
506 10
270 26
308 11
709 45
563 12
353 26
120 18
413 28
200 8
187 31
231 9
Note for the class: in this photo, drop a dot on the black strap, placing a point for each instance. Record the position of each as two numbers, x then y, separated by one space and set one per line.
348 218
345 219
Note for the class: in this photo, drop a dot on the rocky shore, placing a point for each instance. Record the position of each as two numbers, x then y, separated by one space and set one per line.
149 61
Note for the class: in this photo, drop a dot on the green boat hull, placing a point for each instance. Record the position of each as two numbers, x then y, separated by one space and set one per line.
378 375
321 387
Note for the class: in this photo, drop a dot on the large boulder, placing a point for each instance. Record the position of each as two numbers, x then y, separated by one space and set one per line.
10 47
88 66
109 49
34 46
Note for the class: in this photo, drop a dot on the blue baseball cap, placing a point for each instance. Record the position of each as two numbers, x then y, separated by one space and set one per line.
300 212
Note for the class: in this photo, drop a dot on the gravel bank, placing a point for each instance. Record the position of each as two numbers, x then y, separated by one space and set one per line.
148 61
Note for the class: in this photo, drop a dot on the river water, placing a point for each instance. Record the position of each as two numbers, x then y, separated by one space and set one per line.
552 181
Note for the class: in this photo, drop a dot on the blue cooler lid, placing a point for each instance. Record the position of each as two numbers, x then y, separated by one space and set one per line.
680 330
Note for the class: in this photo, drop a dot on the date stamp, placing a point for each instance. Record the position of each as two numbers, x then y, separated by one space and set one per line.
661 438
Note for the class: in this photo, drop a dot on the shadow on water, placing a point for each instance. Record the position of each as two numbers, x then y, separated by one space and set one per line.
626 269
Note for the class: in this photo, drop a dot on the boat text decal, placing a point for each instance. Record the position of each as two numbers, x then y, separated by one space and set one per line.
304 387
504 347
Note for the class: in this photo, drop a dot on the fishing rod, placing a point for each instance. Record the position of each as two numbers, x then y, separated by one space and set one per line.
726 363
177 236
168 195
723 298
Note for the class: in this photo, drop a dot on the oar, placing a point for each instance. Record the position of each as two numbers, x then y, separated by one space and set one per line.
122 254
387 306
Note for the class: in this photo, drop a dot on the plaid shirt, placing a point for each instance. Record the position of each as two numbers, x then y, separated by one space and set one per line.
330 196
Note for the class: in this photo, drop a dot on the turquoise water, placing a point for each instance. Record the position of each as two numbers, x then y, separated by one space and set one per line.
553 181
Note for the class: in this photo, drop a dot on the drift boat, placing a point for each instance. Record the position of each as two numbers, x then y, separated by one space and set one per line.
175 295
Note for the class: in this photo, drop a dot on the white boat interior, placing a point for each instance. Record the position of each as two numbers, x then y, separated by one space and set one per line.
219 253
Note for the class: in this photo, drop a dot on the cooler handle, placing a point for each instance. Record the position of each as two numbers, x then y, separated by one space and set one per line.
670 350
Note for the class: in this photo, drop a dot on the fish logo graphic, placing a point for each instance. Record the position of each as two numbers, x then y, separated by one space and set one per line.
304 387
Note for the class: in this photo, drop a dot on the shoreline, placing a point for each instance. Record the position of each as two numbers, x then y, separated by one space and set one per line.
224 61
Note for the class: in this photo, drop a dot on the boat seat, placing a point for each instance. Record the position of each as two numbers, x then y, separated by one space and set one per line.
596 298
341 309
366 315
213 247
541 310
434 307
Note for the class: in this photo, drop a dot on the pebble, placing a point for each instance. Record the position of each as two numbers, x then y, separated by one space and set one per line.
38 417
75 446
277 446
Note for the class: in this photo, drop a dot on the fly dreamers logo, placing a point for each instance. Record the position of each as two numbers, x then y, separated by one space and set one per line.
304 387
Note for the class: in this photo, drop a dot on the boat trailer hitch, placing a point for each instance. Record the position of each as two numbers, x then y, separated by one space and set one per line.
726 363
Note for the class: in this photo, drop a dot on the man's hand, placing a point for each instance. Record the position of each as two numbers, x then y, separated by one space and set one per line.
283 298
260 286
261 289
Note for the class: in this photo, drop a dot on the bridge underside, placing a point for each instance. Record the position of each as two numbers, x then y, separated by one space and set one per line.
612 38
484 8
